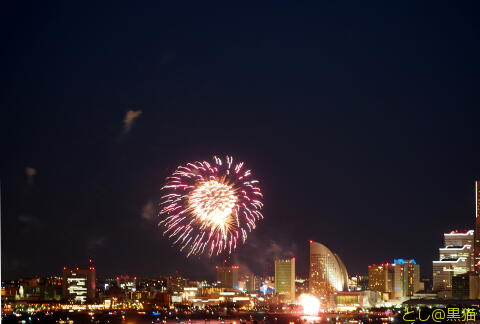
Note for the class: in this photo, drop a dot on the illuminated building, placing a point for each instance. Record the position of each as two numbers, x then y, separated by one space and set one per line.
358 283
127 283
227 276
350 300
175 284
476 261
327 274
301 286
395 280
455 258
406 278
189 293
380 278
285 279
33 289
458 244
267 285
79 284
261 284
245 282
251 282
9 290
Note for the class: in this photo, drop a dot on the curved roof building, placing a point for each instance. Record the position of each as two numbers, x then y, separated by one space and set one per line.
328 273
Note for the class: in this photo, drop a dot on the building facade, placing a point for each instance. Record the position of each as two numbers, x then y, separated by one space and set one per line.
380 279
33 289
350 300
127 282
406 278
285 279
457 257
396 280
358 283
78 285
227 276
328 274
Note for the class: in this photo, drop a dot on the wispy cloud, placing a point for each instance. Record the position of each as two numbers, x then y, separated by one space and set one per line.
30 173
148 211
129 119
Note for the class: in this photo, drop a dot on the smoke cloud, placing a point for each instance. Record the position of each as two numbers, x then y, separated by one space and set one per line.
129 119
263 262
148 211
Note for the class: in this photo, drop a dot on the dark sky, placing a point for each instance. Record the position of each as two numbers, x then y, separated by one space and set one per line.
360 119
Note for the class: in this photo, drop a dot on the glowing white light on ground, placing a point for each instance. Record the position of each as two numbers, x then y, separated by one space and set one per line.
310 304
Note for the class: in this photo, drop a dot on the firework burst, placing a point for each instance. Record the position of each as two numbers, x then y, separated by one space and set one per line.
209 207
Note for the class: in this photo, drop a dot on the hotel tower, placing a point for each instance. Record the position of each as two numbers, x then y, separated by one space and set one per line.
328 274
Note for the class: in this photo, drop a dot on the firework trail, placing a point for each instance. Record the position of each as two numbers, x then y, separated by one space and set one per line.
209 207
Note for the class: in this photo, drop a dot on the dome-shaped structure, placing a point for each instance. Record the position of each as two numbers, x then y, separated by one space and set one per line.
328 273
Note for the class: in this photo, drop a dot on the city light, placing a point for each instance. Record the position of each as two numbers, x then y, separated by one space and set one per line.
310 304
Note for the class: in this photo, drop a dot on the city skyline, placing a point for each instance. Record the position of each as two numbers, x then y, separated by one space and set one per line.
387 285
267 270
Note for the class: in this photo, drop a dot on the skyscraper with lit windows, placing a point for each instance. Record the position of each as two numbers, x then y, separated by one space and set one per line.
395 280
380 278
78 285
328 274
285 279
406 278
456 257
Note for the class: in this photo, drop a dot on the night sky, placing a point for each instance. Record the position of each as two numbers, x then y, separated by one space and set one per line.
360 119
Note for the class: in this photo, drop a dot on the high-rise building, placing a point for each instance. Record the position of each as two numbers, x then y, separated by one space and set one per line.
395 280
380 278
328 274
78 284
406 278
455 258
227 276
285 279
476 260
